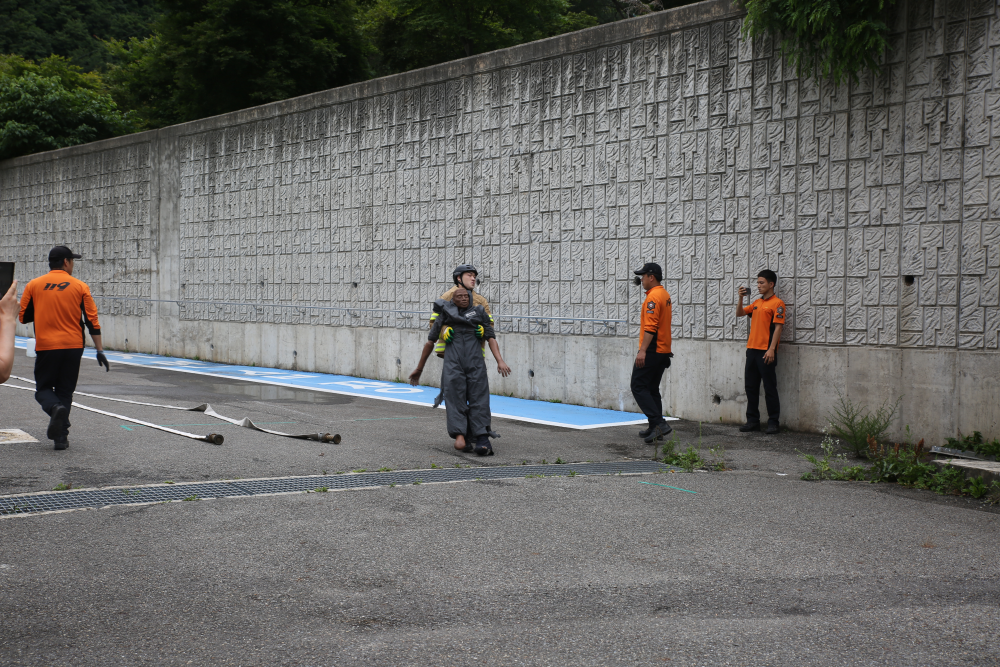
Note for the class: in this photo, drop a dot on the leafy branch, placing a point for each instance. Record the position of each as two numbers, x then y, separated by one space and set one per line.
834 39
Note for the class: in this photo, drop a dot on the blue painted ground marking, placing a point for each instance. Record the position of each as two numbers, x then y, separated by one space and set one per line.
520 409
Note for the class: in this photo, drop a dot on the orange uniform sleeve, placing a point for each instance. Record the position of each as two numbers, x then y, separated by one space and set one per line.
779 313
27 314
90 313
747 309
652 314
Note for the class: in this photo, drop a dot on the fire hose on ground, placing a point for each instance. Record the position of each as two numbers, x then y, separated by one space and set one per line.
205 408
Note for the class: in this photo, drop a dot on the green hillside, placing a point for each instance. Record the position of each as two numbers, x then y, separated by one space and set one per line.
36 29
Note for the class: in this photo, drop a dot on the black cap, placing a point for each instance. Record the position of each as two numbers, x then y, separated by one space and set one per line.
61 252
650 267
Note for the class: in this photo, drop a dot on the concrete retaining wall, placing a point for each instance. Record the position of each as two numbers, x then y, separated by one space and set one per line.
556 167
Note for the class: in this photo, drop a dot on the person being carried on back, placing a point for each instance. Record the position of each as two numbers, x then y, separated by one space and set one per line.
466 386
464 275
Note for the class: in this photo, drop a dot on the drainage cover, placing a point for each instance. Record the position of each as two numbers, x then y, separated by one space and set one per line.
57 501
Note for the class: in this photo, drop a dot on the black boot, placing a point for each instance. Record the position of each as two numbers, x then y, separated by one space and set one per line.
750 426
657 432
57 424
483 446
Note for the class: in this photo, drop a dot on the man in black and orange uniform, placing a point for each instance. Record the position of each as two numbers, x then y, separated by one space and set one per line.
654 352
767 318
60 306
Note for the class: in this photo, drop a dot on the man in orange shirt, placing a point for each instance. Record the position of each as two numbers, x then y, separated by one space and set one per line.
654 352
60 306
767 318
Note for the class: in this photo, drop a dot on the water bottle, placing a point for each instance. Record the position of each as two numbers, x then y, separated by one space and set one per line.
30 349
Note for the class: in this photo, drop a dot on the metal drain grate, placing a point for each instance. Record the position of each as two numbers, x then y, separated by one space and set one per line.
58 501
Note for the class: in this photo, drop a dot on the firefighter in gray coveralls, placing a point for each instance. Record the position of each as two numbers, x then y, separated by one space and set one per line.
466 386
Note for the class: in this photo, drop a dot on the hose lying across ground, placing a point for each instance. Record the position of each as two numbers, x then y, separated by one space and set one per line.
214 438
204 407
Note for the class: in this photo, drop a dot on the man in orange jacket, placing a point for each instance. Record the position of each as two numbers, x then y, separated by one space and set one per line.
60 306
654 352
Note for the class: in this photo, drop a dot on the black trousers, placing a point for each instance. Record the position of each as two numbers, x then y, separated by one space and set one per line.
756 372
646 386
56 373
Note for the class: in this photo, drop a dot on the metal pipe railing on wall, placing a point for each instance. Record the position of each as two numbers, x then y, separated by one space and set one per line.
350 310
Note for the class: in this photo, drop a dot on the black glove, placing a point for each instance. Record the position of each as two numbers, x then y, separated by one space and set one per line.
103 361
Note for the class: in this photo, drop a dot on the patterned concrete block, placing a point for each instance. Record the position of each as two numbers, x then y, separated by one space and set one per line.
96 202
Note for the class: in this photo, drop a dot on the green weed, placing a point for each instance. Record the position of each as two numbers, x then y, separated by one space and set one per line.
63 487
823 467
854 473
993 495
855 424
948 481
666 450
975 443
900 463
718 454
191 497
977 487
322 489
690 459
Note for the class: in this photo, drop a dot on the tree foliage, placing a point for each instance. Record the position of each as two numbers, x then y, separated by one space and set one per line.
141 80
835 39
74 29
170 61
606 11
213 56
53 104
408 34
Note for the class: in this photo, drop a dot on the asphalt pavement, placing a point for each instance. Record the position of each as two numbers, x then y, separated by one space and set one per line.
756 567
